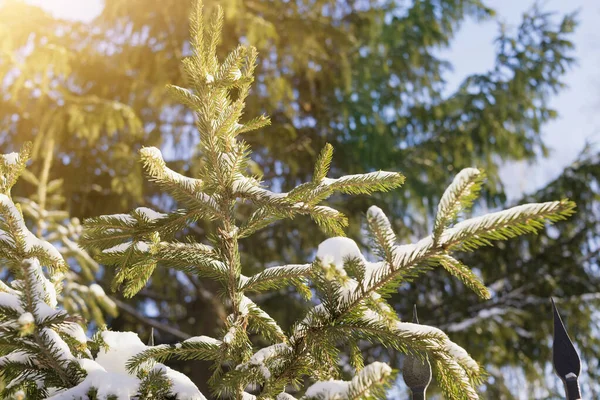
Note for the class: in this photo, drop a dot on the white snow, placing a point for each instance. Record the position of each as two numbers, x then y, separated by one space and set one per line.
259 358
370 175
118 248
203 339
44 311
285 396
26 319
10 158
108 373
182 386
337 249
126 218
210 78
150 214
142 246
454 350
64 353
124 387
97 290
245 185
5 238
121 347
338 390
12 301
461 355
406 254
16 356
377 214
152 152
331 390
75 331
43 290
230 335
317 312
122 247
189 184
418 329
236 74
30 240
89 365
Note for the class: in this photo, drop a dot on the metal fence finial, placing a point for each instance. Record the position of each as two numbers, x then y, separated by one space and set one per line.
416 371
565 358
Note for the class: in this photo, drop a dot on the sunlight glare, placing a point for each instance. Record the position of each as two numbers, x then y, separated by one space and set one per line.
83 10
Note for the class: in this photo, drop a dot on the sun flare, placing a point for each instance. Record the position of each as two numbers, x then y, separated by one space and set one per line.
70 9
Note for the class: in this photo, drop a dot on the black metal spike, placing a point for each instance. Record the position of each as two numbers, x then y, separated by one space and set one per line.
416 371
565 358
151 340
415 316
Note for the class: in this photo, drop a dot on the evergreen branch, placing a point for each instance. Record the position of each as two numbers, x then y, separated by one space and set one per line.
372 382
458 196
197 31
22 243
323 163
180 219
182 188
383 237
155 385
331 221
195 348
195 258
254 124
12 166
446 372
184 96
412 339
467 234
261 218
380 181
502 225
260 321
276 277
462 272
138 275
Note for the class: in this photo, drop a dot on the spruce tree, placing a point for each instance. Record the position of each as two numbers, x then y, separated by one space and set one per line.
45 212
348 292
368 79
44 350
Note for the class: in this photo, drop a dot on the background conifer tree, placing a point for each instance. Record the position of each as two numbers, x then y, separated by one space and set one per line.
349 287
324 81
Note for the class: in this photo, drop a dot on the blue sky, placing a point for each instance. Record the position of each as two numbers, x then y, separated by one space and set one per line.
473 51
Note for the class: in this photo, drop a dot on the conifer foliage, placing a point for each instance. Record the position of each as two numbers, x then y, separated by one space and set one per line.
45 352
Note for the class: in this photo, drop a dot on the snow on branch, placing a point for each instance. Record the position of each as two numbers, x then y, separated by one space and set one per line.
502 225
457 197
371 381
183 188
274 278
19 242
